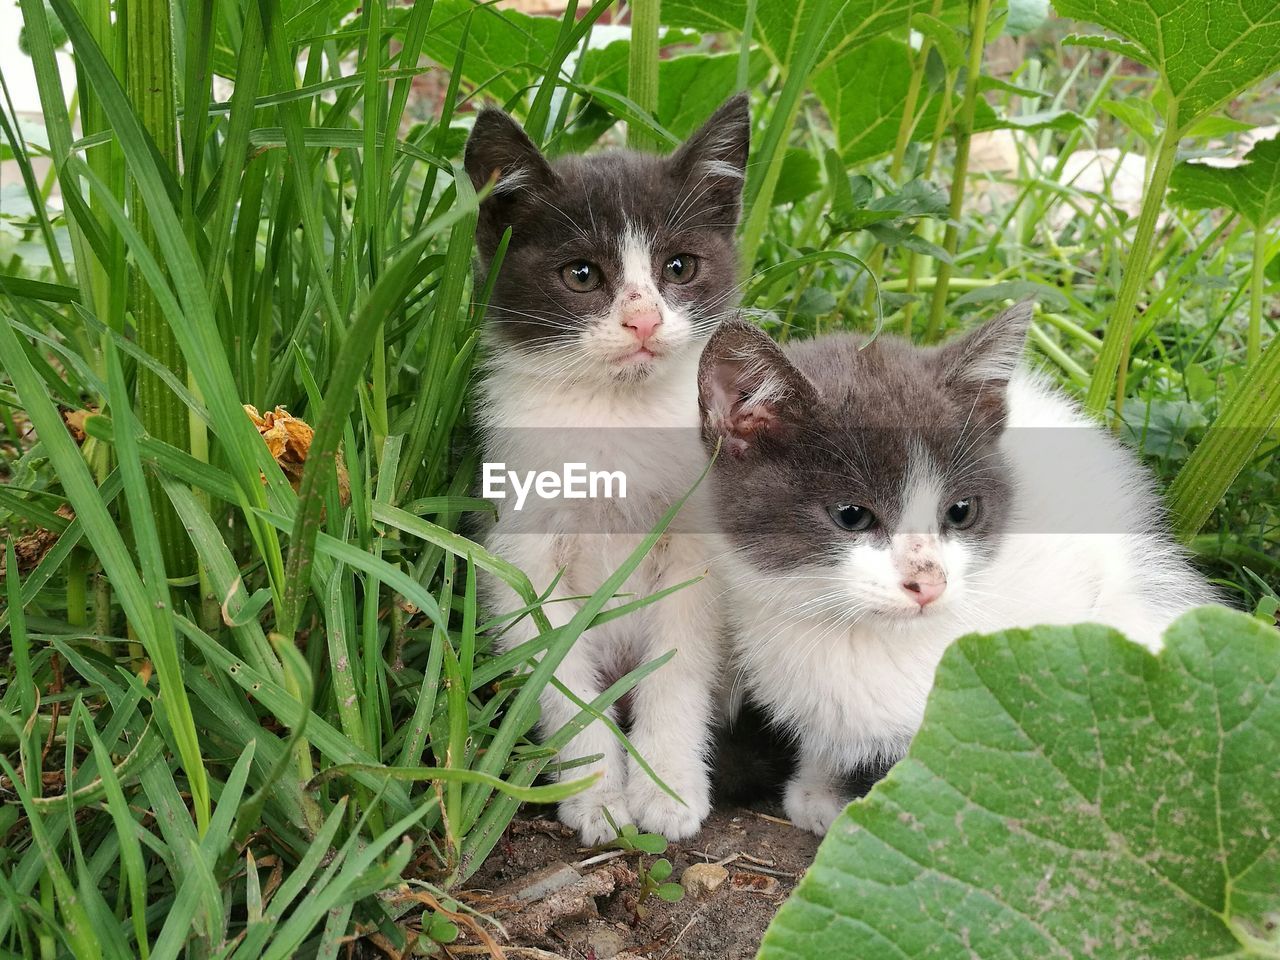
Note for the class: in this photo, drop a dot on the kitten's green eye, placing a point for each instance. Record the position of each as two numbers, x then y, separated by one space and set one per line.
963 514
581 276
852 517
681 268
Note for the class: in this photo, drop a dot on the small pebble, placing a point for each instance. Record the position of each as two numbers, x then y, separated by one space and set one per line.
700 880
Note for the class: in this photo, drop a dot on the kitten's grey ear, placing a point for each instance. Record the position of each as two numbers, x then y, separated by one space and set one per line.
712 164
748 391
991 354
499 149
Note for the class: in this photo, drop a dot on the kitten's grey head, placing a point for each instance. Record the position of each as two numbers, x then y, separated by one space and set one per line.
867 482
617 261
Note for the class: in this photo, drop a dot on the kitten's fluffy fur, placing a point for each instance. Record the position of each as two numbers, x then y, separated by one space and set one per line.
831 632
567 381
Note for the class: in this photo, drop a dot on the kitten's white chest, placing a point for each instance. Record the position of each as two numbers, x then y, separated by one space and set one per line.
852 693
646 433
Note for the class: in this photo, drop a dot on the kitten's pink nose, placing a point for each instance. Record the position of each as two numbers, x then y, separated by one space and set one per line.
924 592
642 322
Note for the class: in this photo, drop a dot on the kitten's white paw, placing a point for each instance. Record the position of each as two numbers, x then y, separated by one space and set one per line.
585 814
658 812
812 806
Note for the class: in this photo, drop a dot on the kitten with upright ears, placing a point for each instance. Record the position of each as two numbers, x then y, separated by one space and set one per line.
883 500
618 269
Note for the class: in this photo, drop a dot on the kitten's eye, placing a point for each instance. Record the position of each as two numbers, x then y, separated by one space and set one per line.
581 276
963 514
681 268
853 517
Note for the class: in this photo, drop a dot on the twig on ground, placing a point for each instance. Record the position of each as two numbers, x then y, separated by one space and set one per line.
575 900
765 816
601 858
785 874
719 863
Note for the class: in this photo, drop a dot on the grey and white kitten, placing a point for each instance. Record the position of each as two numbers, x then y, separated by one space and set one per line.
619 267
883 501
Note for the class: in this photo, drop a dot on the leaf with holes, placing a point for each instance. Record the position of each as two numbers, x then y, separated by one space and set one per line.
1068 795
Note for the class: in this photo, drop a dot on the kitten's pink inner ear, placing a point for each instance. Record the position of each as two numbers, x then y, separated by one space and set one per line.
731 417
721 396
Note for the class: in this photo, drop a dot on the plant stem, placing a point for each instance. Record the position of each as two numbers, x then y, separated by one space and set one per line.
1246 418
912 266
150 84
1109 370
1256 282
906 127
768 157
980 9
642 69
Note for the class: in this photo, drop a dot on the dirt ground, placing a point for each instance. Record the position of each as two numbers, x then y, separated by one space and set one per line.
762 855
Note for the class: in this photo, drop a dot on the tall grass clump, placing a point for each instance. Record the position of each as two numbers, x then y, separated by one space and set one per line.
251 704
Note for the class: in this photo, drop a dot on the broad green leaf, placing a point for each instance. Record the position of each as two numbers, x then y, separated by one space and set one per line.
690 87
505 49
1205 52
1211 127
780 26
863 92
946 40
1136 113
1251 190
801 176
1069 795
863 95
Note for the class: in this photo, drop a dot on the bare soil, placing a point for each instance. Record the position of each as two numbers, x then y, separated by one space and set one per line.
763 855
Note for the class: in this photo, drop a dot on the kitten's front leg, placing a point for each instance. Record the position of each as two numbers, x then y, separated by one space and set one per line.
584 812
579 673
672 715
813 798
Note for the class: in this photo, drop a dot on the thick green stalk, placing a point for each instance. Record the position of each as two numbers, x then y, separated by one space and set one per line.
151 90
979 10
912 267
642 69
906 127
909 119
1248 415
1256 282
1115 344
768 157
